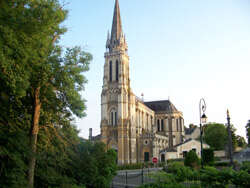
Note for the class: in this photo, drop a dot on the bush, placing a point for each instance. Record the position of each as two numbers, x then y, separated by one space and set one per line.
163 185
192 160
175 160
211 177
180 171
208 156
222 164
131 166
241 179
246 166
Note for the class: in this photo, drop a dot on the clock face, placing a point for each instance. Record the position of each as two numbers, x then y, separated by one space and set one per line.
145 142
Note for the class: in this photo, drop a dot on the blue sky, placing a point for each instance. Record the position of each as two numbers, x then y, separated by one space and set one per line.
179 49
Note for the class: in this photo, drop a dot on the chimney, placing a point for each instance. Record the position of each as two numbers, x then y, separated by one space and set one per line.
90 134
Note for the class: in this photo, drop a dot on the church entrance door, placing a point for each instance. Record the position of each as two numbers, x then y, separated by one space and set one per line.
162 157
146 156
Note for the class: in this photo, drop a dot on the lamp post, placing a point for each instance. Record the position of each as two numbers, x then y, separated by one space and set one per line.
230 148
203 120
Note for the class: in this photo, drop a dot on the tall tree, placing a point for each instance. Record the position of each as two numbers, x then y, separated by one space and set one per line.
34 73
248 132
216 135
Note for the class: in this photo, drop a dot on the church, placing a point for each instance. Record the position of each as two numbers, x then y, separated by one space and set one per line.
137 130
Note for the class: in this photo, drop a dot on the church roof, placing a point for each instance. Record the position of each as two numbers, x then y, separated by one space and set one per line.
159 106
117 23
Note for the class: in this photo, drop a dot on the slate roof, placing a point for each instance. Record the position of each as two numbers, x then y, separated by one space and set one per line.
159 106
190 130
169 150
186 141
96 138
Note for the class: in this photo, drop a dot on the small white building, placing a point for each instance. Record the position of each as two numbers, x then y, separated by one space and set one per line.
180 150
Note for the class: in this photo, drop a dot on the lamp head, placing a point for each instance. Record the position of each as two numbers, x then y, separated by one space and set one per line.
204 118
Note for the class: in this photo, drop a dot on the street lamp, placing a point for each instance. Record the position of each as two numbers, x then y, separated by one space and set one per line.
230 148
203 120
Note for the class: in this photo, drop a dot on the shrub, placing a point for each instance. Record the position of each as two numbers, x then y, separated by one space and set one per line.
241 179
175 160
192 159
246 166
221 164
211 177
208 156
180 171
131 166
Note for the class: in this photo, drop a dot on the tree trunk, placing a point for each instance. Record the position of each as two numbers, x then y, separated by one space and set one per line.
33 136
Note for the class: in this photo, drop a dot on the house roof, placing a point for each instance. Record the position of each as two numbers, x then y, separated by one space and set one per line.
190 130
164 105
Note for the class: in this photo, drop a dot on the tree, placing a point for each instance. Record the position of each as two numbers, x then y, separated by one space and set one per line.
191 159
100 165
208 156
216 135
41 85
241 142
248 132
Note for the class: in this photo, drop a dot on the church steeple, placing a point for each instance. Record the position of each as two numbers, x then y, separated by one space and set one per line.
117 39
117 23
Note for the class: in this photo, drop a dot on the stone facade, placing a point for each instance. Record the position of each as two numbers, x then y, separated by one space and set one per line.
181 149
137 130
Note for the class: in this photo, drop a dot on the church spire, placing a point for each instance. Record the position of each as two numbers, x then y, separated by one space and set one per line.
117 23
117 39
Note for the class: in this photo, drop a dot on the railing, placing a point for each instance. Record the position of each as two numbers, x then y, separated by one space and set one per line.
133 178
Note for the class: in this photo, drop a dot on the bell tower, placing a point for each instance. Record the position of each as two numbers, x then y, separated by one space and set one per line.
115 111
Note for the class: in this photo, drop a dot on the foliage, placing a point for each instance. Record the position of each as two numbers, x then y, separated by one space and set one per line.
241 179
175 160
241 142
163 185
100 166
208 156
206 177
31 60
222 164
215 135
210 176
131 166
248 132
181 172
245 166
192 159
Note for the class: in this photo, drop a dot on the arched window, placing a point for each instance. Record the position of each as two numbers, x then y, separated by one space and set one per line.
110 71
117 70
162 125
158 125
113 117
177 125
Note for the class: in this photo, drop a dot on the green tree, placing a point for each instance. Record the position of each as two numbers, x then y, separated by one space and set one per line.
215 135
248 132
208 156
95 167
191 159
241 142
40 84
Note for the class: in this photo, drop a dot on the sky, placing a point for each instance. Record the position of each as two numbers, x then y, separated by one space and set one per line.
182 50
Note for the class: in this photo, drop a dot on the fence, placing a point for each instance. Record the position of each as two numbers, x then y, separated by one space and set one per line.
132 178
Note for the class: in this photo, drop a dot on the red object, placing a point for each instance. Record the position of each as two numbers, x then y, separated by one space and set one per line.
154 160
